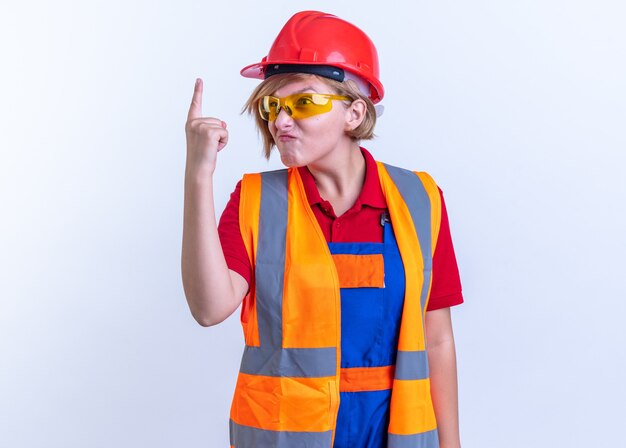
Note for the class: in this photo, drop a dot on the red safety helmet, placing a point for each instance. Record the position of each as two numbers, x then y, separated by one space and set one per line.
320 43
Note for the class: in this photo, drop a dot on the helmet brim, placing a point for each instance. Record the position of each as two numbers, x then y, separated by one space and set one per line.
255 71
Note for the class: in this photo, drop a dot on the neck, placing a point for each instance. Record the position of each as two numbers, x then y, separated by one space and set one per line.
340 180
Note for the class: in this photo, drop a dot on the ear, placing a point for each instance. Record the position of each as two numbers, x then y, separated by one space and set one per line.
355 114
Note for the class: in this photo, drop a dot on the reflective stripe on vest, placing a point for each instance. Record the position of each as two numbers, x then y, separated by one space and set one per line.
428 439
418 203
288 385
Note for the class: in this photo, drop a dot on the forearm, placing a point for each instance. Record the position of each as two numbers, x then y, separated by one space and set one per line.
206 278
444 391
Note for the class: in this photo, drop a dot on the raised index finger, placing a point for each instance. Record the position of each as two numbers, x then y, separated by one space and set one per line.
195 109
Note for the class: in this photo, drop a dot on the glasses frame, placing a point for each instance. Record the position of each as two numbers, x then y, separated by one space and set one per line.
287 104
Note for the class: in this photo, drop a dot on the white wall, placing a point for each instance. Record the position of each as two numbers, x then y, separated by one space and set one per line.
516 108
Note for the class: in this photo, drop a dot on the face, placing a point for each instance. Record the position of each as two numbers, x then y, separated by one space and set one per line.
314 139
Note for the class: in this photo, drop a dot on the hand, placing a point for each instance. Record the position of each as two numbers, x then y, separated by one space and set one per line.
206 136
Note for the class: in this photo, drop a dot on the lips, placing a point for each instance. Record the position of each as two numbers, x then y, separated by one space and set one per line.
286 137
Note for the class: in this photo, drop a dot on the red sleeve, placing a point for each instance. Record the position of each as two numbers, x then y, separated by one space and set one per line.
230 237
446 283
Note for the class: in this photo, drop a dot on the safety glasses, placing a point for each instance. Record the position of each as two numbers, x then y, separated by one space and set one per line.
298 105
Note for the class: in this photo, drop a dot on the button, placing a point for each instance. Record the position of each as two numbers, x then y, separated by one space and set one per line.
384 217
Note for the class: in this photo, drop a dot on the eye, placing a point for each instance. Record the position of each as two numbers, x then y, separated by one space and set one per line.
269 102
304 100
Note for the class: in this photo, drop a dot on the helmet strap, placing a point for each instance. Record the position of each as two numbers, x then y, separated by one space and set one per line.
326 71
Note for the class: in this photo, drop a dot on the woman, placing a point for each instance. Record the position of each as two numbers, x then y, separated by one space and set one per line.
344 265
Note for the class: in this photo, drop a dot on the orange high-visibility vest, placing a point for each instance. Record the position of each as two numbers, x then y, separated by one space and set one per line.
287 392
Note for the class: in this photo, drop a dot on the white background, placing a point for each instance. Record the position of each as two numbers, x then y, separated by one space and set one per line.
517 108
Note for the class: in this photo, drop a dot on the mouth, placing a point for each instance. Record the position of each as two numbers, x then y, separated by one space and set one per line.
286 137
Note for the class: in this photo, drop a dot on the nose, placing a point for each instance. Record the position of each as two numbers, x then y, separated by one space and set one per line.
283 119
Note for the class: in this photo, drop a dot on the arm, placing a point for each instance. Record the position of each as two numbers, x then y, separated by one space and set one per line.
213 292
443 378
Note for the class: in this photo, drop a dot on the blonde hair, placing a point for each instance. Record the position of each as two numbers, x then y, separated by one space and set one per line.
365 131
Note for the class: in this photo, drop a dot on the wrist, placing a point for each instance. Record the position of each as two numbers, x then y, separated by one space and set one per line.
199 174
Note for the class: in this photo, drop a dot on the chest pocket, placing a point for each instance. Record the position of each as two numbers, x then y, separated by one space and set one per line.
360 271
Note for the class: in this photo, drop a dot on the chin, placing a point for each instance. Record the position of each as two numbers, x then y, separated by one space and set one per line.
291 162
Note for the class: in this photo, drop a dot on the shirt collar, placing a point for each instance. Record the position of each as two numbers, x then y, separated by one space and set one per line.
371 193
